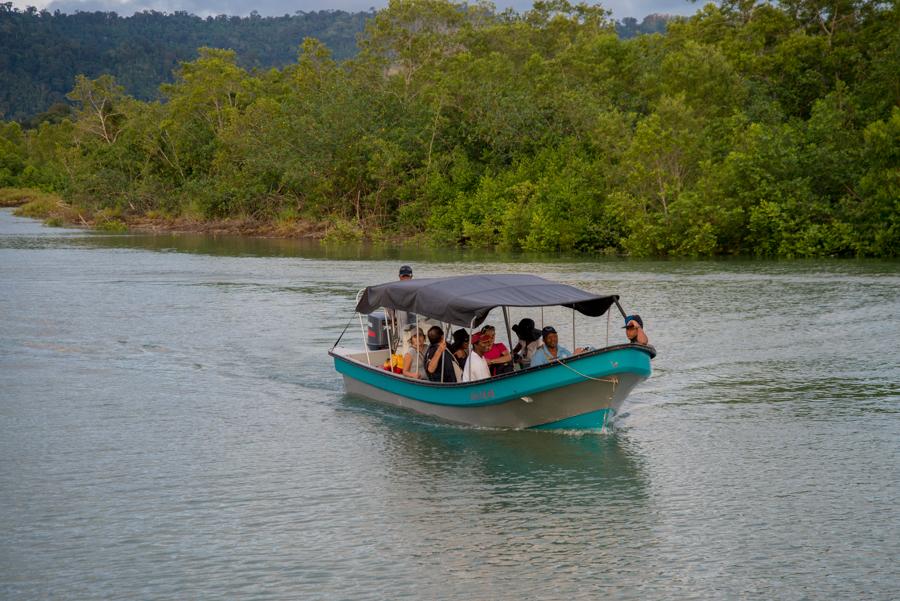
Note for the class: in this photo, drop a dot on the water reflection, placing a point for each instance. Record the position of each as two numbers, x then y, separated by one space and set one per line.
516 466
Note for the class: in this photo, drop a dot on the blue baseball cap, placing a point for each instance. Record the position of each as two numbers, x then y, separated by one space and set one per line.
405 270
634 317
547 331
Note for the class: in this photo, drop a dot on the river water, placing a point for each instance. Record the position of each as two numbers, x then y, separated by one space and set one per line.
172 427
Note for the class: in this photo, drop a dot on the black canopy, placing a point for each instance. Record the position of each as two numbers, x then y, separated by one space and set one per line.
466 300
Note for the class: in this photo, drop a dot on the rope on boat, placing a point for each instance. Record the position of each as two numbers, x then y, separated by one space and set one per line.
343 331
612 379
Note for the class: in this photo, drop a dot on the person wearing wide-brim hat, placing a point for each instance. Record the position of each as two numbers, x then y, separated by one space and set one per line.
414 359
529 342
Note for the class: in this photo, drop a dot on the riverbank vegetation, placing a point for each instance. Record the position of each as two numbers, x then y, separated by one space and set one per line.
749 128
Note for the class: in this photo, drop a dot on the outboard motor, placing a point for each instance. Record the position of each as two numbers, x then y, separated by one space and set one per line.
377 334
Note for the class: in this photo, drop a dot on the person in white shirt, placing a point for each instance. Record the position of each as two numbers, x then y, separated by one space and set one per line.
476 366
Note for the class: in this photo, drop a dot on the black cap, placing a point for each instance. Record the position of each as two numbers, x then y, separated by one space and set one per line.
405 270
547 331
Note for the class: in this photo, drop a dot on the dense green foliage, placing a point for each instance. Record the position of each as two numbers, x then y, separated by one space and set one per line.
750 128
41 53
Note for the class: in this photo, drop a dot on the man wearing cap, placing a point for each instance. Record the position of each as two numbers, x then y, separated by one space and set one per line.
551 351
401 320
634 329
476 365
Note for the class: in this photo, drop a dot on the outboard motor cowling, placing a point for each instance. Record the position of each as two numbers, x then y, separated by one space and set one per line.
377 334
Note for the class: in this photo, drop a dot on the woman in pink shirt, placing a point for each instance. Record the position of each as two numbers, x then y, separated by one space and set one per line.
498 358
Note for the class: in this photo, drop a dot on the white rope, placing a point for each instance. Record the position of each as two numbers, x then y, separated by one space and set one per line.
614 380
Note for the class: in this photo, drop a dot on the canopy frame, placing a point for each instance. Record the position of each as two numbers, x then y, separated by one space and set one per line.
465 301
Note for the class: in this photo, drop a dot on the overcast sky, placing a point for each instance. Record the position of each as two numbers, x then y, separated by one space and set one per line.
620 8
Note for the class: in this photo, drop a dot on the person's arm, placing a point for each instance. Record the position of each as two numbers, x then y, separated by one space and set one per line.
436 359
503 358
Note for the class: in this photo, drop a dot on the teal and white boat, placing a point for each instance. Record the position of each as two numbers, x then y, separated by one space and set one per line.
581 392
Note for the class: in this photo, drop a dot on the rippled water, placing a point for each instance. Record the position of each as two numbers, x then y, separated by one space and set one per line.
171 427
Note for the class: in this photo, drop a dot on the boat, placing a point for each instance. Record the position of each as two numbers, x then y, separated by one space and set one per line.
581 392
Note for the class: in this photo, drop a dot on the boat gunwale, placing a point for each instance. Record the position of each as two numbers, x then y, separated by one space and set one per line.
648 349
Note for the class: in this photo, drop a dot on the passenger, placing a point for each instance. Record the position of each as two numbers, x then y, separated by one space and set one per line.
476 367
414 360
498 357
634 329
529 342
551 351
439 361
460 346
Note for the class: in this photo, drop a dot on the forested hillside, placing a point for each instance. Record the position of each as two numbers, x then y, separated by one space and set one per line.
42 52
767 129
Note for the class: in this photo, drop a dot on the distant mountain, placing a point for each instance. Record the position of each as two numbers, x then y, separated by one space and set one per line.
629 26
42 52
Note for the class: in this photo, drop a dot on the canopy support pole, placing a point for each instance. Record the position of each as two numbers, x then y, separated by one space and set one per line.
506 321
621 310
608 315
361 327
388 330
574 346
446 331
418 355
365 342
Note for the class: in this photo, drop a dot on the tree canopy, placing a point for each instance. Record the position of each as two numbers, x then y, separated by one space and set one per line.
755 128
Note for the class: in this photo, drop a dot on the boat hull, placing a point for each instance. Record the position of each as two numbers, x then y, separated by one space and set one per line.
582 392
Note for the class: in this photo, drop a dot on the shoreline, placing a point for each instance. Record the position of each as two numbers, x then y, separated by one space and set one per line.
54 211
230 227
